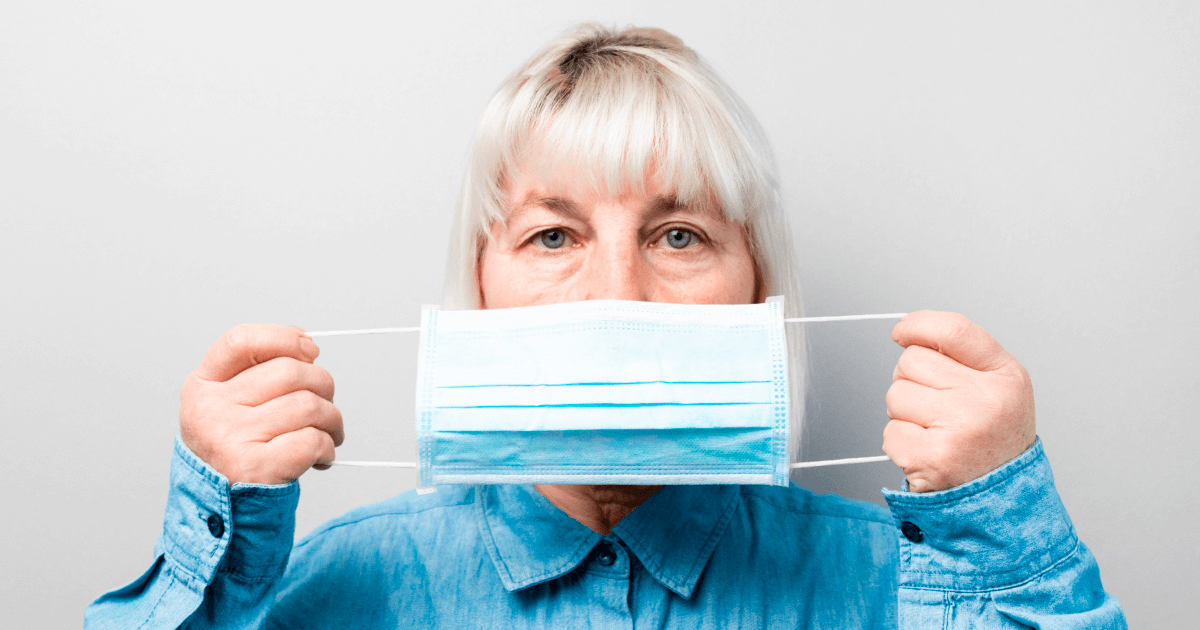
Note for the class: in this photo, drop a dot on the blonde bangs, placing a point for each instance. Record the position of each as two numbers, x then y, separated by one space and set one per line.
625 117
613 111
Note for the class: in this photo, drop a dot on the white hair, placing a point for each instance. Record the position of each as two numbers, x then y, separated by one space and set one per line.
611 108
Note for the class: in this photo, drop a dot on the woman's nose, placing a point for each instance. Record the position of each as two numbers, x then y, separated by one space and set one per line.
617 271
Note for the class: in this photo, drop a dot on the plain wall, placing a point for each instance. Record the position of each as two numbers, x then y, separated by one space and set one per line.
167 172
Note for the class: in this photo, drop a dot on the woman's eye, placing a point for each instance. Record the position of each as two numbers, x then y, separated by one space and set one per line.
553 239
679 239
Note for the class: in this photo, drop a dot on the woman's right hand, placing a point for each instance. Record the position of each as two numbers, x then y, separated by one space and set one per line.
257 409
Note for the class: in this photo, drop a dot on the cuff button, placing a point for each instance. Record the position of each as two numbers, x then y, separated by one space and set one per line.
911 532
216 526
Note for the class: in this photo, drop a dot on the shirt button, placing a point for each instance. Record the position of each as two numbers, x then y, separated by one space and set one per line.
216 526
911 532
605 554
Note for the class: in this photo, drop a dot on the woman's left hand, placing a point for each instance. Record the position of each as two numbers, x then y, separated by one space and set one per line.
960 405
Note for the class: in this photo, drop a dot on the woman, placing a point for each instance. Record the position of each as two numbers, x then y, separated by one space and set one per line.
615 165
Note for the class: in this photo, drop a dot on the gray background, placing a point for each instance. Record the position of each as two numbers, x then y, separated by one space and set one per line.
168 172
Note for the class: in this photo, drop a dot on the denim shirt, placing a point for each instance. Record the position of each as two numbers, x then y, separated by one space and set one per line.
998 552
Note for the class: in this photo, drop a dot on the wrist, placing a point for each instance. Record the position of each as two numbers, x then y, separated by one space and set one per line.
991 532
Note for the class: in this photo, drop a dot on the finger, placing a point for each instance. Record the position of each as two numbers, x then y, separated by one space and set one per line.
297 451
278 377
295 411
930 368
903 442
248 345
952 335
917 404
910 448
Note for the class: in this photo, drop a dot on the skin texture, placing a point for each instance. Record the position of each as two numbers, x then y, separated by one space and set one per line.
259 411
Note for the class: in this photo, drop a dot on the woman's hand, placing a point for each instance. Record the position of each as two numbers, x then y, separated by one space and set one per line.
257 409
960 405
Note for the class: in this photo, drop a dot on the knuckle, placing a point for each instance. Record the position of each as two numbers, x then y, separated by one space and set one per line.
927 358
957 327
291 371
239 338
323 376
890 438
320 442
317 407
308 403
906 359
236 342
892 398
889 447
916 358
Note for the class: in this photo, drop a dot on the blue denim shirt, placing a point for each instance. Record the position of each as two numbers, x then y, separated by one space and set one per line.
998 552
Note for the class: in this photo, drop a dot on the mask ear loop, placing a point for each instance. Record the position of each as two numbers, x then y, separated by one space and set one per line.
789 320
367 331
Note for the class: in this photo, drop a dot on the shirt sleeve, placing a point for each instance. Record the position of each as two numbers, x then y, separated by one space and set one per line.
997 552
219 559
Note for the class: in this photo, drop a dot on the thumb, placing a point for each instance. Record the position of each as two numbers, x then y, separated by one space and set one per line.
952 335
247 345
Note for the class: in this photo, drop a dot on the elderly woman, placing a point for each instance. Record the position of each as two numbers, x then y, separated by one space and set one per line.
615 165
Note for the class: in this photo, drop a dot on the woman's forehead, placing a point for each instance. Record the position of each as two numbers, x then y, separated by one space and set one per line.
576 208
642 208
566 189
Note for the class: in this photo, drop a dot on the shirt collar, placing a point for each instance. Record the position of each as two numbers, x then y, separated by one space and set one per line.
672 534
530 540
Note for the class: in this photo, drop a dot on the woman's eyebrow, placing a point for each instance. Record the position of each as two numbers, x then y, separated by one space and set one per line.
669 204
558 205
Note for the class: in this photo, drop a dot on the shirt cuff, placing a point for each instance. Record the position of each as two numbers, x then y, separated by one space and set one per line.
246 530
996 531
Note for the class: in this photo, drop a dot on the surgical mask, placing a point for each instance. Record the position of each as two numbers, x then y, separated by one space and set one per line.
604 392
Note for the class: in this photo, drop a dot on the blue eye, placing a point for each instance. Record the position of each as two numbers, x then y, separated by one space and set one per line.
553 239
680 239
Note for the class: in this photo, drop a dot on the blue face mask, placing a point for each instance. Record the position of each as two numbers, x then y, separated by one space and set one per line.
604 392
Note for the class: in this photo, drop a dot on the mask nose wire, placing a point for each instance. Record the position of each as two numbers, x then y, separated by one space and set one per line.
788 320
